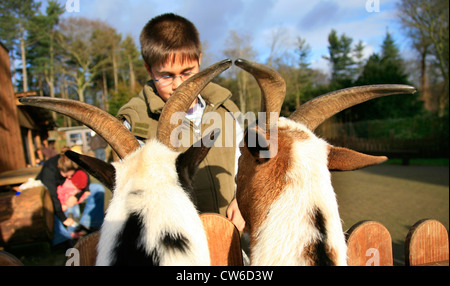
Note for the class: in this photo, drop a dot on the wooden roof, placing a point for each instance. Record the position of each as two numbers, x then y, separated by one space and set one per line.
31 117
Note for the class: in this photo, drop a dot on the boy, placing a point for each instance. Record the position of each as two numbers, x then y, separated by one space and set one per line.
171 50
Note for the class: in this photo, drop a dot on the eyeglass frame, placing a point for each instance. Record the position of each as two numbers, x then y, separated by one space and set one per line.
171 76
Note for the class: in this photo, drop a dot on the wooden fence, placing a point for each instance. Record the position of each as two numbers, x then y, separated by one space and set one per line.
369 244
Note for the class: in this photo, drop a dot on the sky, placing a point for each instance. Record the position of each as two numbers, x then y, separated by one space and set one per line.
365 20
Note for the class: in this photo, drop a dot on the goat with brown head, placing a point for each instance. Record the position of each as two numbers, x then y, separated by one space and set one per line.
287 198
151 219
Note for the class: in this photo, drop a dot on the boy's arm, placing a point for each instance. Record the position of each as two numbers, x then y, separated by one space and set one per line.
128 126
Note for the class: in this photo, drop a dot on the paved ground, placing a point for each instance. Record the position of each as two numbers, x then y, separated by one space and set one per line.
394 195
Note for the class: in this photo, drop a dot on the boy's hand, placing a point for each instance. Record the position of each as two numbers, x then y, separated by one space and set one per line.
234 214
71 201
68 222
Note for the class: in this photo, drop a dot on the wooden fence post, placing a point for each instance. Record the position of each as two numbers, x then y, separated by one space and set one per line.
87 251
223 241
427 244
369 243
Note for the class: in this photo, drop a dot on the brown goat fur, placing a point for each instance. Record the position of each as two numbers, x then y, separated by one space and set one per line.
261 178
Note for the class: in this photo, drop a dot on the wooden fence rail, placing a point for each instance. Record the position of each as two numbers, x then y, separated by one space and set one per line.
369 244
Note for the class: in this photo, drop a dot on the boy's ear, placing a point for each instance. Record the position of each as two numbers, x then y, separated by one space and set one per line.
200 60
147 68
103 171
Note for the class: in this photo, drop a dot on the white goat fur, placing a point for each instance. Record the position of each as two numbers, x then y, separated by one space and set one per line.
288 229
147 183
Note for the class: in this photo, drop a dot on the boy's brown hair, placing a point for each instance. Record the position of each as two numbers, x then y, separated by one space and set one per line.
64 163
166 35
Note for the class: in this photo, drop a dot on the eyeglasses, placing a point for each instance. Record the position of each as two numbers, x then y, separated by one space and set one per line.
168 79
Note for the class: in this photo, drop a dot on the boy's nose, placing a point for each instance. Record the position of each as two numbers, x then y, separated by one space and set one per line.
176 82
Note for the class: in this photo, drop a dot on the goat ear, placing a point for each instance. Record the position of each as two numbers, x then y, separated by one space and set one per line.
103 171
188 161
344 159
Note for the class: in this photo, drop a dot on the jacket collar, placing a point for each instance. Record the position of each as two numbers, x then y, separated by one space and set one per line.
213 94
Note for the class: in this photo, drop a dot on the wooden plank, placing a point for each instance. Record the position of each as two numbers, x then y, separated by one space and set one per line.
27 217
223 240
87 250
19 176
426 242
369 243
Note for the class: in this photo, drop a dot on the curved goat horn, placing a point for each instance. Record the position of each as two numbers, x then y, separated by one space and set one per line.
272 85
182 98
317 110
103 123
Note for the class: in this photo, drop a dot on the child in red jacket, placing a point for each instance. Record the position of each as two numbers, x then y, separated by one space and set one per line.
72 186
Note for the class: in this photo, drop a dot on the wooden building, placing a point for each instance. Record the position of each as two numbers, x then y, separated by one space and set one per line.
11 151
22 128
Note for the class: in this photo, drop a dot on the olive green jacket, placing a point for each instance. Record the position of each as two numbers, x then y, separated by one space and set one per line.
214 185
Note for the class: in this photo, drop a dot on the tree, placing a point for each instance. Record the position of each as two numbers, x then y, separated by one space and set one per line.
130 54
387 68
106 49
239 46
44 49
279 38
83 50
358 54
304 73
427 23
340 57
15 17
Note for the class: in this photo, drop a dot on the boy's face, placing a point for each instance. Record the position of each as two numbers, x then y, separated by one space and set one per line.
172 68
67 174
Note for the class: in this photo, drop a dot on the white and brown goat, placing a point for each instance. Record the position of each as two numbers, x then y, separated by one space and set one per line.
151 219
287 198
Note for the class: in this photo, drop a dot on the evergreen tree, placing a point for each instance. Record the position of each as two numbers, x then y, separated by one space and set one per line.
44 51
15 18
340 58
387 68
